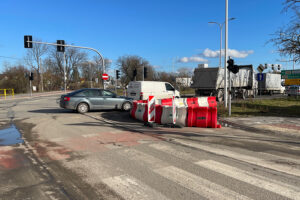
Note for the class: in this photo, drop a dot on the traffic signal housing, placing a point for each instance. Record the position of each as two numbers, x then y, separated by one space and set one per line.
60 48
117 74
134 73
31 76
232 67
145 72
27 41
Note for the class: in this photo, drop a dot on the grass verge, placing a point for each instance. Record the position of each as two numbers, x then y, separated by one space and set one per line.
283 107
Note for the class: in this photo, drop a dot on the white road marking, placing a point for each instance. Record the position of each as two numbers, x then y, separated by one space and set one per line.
197 184
245 158
174 152
141 157
130 188
277 187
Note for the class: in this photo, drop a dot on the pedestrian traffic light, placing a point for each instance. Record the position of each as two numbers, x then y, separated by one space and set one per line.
145 72
134 73
117 74
27 41
31 76
231 67
60 48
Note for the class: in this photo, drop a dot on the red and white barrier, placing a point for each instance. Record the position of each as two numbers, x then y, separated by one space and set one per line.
151 109
191 112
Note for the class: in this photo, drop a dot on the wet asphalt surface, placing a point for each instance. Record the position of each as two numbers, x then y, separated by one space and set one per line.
106 155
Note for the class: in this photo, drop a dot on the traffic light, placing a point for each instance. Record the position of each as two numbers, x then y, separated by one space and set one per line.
60 48
145 72
27 41
117 74
134 73
231 67
31 76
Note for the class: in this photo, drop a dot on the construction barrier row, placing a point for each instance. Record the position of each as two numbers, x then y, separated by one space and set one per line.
190 112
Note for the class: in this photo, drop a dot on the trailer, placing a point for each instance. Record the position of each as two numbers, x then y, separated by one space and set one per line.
270 84
210 82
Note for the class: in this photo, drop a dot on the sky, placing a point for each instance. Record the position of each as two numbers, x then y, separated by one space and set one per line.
168 33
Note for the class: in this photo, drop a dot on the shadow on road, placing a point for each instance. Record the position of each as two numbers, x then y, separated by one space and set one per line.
49 111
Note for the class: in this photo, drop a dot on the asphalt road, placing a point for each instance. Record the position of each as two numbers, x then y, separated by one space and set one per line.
107 155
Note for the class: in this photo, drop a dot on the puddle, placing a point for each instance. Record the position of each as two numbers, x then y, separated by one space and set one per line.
10 136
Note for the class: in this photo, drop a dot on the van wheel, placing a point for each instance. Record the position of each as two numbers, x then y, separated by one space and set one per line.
82 108
126 106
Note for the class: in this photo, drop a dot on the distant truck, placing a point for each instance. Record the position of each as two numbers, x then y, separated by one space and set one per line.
270 84
210 82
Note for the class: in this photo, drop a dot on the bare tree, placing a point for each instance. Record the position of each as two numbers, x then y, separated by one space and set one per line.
33 58
74 58
287 39
128 64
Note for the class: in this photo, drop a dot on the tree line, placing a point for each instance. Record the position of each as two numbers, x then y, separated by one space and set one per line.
47 66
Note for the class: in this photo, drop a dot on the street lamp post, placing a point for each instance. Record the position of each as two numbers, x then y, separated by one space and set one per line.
221 27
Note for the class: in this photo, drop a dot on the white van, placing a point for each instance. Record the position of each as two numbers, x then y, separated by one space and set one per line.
141 90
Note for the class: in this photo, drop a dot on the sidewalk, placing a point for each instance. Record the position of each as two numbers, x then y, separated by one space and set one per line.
285 126
27 96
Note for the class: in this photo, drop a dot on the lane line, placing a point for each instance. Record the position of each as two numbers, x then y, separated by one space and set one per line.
132 189
277 187
198 184
245 158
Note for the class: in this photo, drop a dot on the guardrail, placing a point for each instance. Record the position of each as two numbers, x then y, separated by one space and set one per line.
7 92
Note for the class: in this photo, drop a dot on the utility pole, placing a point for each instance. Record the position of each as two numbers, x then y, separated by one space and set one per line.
143 72
41 68
226 56
65 73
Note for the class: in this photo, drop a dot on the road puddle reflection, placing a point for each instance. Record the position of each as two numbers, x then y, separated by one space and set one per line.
10 136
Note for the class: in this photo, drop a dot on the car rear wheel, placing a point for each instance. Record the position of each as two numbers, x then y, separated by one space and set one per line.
82 108
126 106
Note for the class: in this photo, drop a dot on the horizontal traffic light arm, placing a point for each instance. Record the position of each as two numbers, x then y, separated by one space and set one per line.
67 45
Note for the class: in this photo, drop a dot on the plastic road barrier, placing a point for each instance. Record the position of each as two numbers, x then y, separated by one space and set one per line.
204 117
133 109
158 113
181 116
140 111
174 109
151 109
167 116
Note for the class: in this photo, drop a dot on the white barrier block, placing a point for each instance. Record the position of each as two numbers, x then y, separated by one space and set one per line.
167 115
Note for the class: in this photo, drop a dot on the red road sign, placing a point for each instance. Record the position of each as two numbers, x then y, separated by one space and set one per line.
105 76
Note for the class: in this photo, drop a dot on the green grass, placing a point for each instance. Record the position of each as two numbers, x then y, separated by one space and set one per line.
284 107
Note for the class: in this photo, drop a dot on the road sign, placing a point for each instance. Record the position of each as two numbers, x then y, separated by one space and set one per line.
290 74
260 77
292 82
105 77
260 68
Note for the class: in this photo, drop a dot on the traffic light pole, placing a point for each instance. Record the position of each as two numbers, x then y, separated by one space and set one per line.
229 92
65 77
80 47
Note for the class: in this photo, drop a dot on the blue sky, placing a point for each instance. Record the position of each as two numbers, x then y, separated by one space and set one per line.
161 31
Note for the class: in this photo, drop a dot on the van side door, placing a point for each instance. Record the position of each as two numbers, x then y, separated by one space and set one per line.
170 90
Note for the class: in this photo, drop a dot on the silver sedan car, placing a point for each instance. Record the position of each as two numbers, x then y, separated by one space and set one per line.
84 100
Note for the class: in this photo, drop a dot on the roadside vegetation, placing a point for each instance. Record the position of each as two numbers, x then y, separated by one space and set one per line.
284 107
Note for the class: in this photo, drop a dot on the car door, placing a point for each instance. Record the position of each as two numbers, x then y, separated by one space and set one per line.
170 90
110 100
94 97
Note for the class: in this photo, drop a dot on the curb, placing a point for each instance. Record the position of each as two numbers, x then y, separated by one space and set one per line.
227 123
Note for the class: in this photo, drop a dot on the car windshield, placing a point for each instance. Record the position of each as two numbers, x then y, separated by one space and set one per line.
108 93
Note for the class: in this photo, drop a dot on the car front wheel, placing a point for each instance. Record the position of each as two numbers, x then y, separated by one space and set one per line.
82 108
126 106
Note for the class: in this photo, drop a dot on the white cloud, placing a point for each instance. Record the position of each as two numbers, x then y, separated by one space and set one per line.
192 59
156 66
231 52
